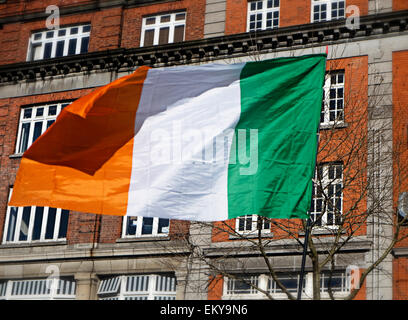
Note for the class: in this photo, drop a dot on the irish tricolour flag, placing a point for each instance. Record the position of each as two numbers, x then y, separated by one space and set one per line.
207 142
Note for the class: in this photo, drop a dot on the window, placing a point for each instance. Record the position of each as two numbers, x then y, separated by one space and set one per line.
38 289
327 199
339 281
246 286
138 287
326 10
251 224
238 286
263 15
333 103
30 224
241 287
163 29
33 123
144 226
58 43
288 280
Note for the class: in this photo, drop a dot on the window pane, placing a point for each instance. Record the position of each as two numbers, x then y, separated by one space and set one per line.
148 38
37 36
12 224
39 112
248 223
49 231
84 45
164 35
165 19
37 130
62 32
151 20
49 123
49 34
25 131
180 16
47 50
38 218
74 30
178 33
131 224
86 29
147 226
163 226
36 52
60 48
62 233
52 110
25 221
72 46
27 113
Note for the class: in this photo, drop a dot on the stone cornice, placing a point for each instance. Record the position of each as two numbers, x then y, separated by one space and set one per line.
205 50
80 8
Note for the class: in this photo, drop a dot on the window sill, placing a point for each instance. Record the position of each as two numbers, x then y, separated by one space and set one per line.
15 155
251 235
142 239
328 126
33 244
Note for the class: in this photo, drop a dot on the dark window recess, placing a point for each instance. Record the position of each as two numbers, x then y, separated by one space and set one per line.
164 35
49 231
47 50
72 46
39 212
62 233
60 48
84 45
178 33
148 38
37 130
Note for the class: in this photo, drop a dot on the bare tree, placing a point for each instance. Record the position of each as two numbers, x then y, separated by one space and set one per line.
350 196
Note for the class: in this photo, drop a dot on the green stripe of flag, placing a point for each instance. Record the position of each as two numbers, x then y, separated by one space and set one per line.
281 98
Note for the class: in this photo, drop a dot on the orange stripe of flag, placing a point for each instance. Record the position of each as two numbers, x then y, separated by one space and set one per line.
83 162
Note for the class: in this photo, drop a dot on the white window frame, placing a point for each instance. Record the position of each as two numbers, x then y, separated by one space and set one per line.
158 25
264 11
34 119
328 85
229 293
326 182
254 225
344 288
42 35
328 4
149 292
139 225
47 289
17 226
265 282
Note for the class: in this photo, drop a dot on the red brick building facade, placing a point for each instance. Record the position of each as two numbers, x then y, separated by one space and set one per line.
43 69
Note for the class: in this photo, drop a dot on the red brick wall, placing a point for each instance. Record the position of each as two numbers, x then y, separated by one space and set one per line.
400 279
292 12
400 146
106 27
400 129
132 22
81 226
104 33
399 5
